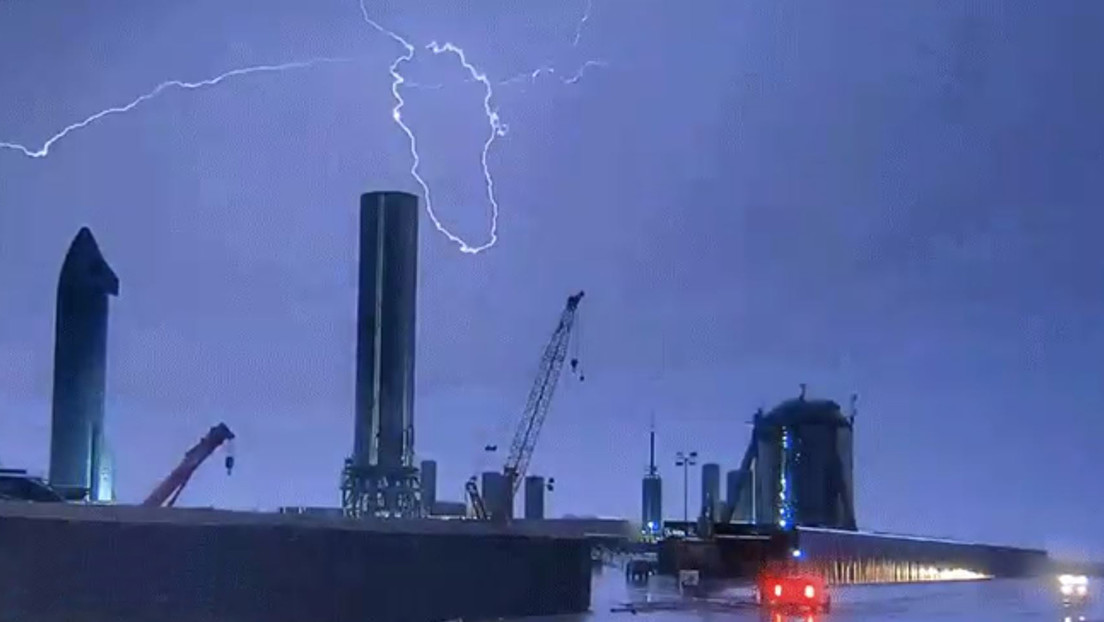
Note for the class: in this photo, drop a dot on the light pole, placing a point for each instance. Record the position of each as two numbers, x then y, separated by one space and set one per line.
686 460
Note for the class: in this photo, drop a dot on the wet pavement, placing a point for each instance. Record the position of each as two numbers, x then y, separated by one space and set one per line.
975 601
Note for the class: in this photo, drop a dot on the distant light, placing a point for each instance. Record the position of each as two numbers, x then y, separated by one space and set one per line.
796 553
651 525
950 574
778 589
809 591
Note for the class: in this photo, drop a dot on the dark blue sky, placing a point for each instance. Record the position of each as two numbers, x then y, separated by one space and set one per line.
898 199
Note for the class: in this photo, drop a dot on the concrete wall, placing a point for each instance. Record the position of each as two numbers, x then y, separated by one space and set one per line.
860 557
580 527
54 568
844 556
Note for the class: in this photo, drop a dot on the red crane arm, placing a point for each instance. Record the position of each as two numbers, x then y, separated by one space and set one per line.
169 488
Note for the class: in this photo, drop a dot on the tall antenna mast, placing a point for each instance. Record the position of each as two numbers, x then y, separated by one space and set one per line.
651 448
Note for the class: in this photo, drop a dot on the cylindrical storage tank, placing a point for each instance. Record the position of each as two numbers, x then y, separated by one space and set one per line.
651 515
386 314
766 489
735 481
732 485
497 495
428 485
710 489
534 497
803 466
845 445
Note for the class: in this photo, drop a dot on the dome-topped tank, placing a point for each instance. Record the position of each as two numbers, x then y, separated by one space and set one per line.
803 465
800 411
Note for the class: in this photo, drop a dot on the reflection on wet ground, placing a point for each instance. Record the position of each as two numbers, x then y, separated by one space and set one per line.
999 600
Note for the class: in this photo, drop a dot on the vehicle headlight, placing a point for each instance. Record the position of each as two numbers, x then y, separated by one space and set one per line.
1067 589
1081 590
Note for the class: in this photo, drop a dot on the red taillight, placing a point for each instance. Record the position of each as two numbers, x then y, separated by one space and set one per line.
777 589
810 592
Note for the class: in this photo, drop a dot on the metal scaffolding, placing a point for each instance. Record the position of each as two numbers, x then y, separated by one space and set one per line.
380 492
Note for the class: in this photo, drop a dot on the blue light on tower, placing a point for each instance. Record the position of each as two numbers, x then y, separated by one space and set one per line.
785 492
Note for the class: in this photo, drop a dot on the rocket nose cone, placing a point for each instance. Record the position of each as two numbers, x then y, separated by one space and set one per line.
85 265
84 244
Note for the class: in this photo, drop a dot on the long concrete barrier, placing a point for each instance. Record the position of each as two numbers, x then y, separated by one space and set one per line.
118 564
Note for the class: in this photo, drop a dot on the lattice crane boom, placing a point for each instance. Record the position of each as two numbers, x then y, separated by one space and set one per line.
540 397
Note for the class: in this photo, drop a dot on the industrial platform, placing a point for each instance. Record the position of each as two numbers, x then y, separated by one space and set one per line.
123 563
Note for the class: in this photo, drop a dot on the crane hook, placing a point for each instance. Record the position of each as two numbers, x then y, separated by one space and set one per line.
229 464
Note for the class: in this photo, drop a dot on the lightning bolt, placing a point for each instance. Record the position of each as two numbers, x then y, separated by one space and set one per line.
551 71
44 150
497 128
539 71
495 124
582 23
527 76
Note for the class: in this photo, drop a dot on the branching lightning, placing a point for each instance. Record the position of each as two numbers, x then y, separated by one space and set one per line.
527 76
496 127
44 150
551 71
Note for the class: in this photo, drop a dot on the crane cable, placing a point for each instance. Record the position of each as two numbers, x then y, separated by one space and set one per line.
576 367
